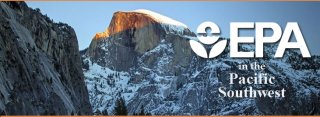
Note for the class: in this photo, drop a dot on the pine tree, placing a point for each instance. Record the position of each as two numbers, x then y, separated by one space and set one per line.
3 112
120 108
97 112
105 112
148 114
141 111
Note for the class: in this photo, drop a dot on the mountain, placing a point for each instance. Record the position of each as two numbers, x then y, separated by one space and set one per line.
40 66
145 58
132 34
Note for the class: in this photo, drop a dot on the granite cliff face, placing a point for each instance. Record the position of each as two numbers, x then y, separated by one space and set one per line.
146 59
131 34
40 67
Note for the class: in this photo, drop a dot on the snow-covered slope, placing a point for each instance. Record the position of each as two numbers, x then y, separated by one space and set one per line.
193 90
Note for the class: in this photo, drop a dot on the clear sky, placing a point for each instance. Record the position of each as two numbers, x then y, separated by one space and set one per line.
88 18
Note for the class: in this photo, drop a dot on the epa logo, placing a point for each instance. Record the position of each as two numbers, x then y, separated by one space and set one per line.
208 33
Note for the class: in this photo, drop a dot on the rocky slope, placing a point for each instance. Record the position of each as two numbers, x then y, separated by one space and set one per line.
40 67
145 58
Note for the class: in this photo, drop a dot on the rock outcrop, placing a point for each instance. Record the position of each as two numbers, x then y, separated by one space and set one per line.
40 67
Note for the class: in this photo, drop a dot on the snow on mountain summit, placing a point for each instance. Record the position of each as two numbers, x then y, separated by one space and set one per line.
169 24
160 18
139 19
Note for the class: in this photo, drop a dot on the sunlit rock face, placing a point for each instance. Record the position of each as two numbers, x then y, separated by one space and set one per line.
139 28
40 68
